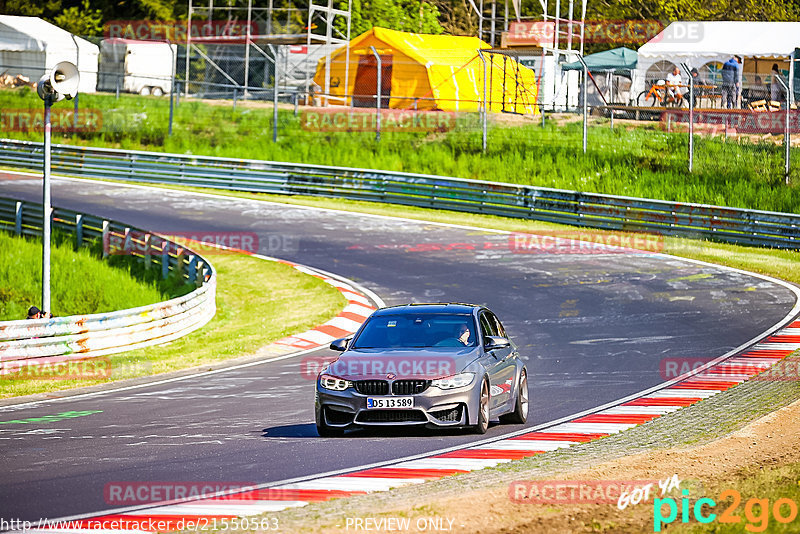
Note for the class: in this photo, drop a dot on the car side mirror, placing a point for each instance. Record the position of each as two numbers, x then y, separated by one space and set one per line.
495 342
340 345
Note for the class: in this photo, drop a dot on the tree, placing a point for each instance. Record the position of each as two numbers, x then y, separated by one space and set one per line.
457 17
417 16
81 20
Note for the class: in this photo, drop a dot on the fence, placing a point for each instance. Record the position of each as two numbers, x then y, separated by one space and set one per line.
61 339
748 227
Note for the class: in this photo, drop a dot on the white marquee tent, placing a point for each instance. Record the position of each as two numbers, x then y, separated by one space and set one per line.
702 44
31 46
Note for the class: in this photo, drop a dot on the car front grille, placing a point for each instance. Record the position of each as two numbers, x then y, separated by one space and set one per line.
391 416
372 387
337 417
410 387
451 415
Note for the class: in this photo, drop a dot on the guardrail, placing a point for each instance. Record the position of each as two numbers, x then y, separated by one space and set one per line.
60 339
733 225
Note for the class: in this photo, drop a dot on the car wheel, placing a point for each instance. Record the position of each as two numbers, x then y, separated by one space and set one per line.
520 413
326 431
483 410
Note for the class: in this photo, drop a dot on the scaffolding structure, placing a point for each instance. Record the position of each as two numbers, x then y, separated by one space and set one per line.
557 90
561 87
246 37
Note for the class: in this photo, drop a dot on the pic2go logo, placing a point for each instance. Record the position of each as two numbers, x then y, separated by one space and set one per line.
756 511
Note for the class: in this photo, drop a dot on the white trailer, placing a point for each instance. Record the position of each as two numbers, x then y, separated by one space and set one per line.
143 67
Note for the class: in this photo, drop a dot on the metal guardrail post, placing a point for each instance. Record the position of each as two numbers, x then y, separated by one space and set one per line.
126 241
79 230
164 259
379 93
105 237
148 251
191 270
484 116
18 218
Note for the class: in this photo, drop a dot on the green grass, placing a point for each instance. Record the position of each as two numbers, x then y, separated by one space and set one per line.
252 311
642 162
81 282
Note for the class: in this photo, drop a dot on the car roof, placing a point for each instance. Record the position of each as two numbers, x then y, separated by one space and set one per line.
436 307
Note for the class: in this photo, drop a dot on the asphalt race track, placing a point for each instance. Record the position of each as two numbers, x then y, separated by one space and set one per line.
593 327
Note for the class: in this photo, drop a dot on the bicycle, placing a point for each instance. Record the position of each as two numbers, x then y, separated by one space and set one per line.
659 96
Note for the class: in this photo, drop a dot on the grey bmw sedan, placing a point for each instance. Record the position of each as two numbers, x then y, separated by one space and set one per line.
437 365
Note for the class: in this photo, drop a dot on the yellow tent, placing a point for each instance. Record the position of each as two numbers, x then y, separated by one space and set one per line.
427 72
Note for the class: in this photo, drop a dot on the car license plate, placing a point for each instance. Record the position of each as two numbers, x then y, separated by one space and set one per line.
390 402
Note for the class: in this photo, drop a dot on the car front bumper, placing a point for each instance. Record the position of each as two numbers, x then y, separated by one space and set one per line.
433 407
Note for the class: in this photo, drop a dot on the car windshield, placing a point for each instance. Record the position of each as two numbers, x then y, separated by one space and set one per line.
416 331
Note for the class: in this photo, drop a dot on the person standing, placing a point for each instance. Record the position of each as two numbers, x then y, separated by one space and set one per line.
775 89
699 85
730 81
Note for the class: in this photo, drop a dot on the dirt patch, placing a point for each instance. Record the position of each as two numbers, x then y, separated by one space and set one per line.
769 442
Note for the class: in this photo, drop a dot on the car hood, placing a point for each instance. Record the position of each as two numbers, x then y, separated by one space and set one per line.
423 363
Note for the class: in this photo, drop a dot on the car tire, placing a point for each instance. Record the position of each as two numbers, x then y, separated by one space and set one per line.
483 410
326 431
520 414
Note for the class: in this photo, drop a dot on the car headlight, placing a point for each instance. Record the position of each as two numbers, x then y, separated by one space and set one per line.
334 383
456 381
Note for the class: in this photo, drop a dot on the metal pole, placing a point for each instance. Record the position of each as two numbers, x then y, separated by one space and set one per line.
275 97
78 65
378 96
585 100
174 49
75 115
48 101
484 117
691 116
789 101
247 48
188 48
786 134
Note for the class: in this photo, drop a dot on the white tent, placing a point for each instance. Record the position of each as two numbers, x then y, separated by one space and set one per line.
31 46
702 44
